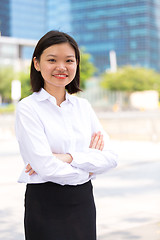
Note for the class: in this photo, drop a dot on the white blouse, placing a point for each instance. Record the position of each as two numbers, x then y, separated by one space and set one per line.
44 128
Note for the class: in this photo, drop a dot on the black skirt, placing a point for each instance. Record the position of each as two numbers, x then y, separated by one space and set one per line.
55 212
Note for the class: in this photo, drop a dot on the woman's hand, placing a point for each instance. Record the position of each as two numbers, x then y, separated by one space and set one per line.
97 141
29 169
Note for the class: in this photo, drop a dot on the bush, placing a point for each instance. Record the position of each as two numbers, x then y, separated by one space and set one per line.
131 79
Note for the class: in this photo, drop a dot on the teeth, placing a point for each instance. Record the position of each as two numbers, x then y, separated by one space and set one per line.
61 75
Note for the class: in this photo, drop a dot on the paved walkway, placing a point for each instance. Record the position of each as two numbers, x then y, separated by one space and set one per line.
127 198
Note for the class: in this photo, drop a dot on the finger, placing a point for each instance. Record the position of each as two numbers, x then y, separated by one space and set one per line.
96 139
28 168
101 146
31 172
92 140
99 142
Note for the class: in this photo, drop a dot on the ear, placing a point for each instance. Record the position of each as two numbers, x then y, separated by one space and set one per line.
36 64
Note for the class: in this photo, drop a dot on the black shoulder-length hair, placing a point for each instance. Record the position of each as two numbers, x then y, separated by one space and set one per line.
49 39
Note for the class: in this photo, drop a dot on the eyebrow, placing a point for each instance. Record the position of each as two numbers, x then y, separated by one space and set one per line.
52 55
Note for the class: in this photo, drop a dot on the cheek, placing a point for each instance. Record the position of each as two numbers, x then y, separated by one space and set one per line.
73 69
45 70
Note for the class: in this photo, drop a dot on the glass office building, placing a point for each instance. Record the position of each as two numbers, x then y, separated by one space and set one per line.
25 19
129 27
4 18
22 19
58 15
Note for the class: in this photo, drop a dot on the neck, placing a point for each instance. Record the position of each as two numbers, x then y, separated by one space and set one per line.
57 92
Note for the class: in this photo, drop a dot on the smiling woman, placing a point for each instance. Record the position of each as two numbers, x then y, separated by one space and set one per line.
58 66
51 39
62 144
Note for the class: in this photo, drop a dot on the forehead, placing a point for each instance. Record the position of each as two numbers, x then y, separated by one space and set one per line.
62 49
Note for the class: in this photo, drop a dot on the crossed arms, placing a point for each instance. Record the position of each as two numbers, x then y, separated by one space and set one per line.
97 142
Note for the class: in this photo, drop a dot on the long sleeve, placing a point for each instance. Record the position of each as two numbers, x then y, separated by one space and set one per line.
36 151
93 160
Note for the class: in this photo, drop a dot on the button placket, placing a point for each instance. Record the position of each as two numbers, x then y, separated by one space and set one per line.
67 115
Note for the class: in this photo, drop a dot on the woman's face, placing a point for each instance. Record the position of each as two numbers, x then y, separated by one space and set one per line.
57 65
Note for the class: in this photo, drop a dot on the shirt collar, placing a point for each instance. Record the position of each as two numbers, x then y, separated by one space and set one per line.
70 98
44 95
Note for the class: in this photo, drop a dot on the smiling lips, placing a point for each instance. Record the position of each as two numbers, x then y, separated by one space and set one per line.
60 76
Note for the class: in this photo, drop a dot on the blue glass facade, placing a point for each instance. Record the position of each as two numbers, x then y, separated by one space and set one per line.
23 19
27 18
129 27
58 15
4 17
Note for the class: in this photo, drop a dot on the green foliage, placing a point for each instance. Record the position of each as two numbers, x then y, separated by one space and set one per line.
6 77
87 68
131 79
24 77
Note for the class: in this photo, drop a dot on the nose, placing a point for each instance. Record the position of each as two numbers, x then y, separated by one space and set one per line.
61 67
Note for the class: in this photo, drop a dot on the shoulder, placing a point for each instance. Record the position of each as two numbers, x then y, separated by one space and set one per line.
27 108
26 103
26 99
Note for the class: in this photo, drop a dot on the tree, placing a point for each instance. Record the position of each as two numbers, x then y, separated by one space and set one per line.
131 79
24 77
6 77
87 68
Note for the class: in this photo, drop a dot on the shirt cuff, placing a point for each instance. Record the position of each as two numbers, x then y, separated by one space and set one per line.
77 159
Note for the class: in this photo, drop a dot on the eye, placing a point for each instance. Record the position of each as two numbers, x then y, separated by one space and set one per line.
70 60
52 60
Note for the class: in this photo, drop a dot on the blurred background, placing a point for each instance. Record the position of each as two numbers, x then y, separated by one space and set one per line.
120 76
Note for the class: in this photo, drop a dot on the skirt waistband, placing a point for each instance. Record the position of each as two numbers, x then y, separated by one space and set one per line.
58 194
